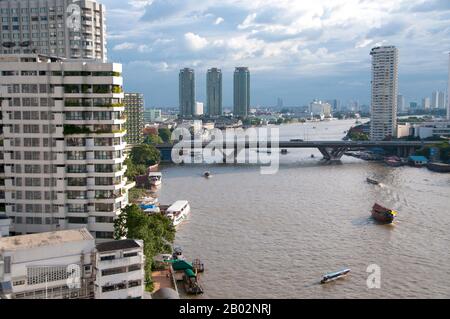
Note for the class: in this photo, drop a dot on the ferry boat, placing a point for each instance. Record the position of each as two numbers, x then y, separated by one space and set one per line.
178 211
155 178
334 276
382 214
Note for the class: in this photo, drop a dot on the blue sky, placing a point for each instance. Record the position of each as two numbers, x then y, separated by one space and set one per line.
296 49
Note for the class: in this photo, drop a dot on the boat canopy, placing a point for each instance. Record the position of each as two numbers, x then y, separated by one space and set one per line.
178 206
182 265
190 273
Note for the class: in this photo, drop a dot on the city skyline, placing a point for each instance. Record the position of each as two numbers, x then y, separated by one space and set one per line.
295 51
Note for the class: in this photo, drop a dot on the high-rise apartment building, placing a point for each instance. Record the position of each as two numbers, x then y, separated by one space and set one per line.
134 112
62 28
435 100
187 92
426 103
214 92
63 148
401 104
384 92
448 91
241 92
442 100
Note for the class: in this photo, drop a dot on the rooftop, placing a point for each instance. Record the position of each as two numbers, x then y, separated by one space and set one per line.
44 239
118 245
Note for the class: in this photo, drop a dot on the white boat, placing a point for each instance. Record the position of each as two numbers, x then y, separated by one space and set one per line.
178 211
155 178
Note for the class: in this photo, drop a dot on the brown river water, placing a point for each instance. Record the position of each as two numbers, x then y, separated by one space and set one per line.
275 236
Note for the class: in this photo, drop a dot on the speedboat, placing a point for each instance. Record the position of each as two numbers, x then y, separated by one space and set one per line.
334 276
372 181
207 174
284 151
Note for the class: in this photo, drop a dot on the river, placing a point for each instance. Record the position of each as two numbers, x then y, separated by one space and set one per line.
274 236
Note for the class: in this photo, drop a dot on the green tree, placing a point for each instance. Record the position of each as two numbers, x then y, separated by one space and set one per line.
153 139
165 134
134 170
145 154
156 230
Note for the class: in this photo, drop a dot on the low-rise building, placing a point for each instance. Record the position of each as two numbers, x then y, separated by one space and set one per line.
120 270
53 265
67 264
432 129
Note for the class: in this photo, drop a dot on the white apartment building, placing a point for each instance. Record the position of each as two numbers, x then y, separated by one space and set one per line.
53 265
63 28
384 92
63 148
120 270
68 264
198 109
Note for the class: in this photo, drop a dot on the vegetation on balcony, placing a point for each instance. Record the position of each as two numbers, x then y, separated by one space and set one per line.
156 230
117 89
74 129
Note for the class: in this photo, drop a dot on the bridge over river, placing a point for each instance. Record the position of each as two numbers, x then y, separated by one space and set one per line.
331 150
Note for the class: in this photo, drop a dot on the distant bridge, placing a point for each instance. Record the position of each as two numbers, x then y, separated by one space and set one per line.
331 150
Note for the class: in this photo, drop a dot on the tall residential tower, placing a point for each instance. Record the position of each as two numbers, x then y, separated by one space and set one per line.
214 92
187 92
241 92
63 148
134 111
62 28
384 92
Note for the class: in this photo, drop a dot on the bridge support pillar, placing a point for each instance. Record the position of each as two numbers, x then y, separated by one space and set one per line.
332 153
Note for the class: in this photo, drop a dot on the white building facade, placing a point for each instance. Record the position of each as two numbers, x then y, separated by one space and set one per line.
54 265
69 265
384 92
120 270
63 148
63 28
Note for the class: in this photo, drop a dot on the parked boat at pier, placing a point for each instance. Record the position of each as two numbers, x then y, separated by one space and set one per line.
155 178
383 214
178 211
393 161
439 167
334 276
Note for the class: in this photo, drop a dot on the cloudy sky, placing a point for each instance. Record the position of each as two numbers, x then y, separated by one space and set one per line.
296 49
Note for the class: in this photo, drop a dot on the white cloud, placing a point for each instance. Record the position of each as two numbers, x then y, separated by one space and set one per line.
219 20
363 43
195 42
124 46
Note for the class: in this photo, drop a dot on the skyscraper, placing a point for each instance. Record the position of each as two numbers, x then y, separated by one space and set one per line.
64 144
426 103
63 28
401 106
187 92
241 92
214 92
134 111
448 91
384 92
435 100
441 100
